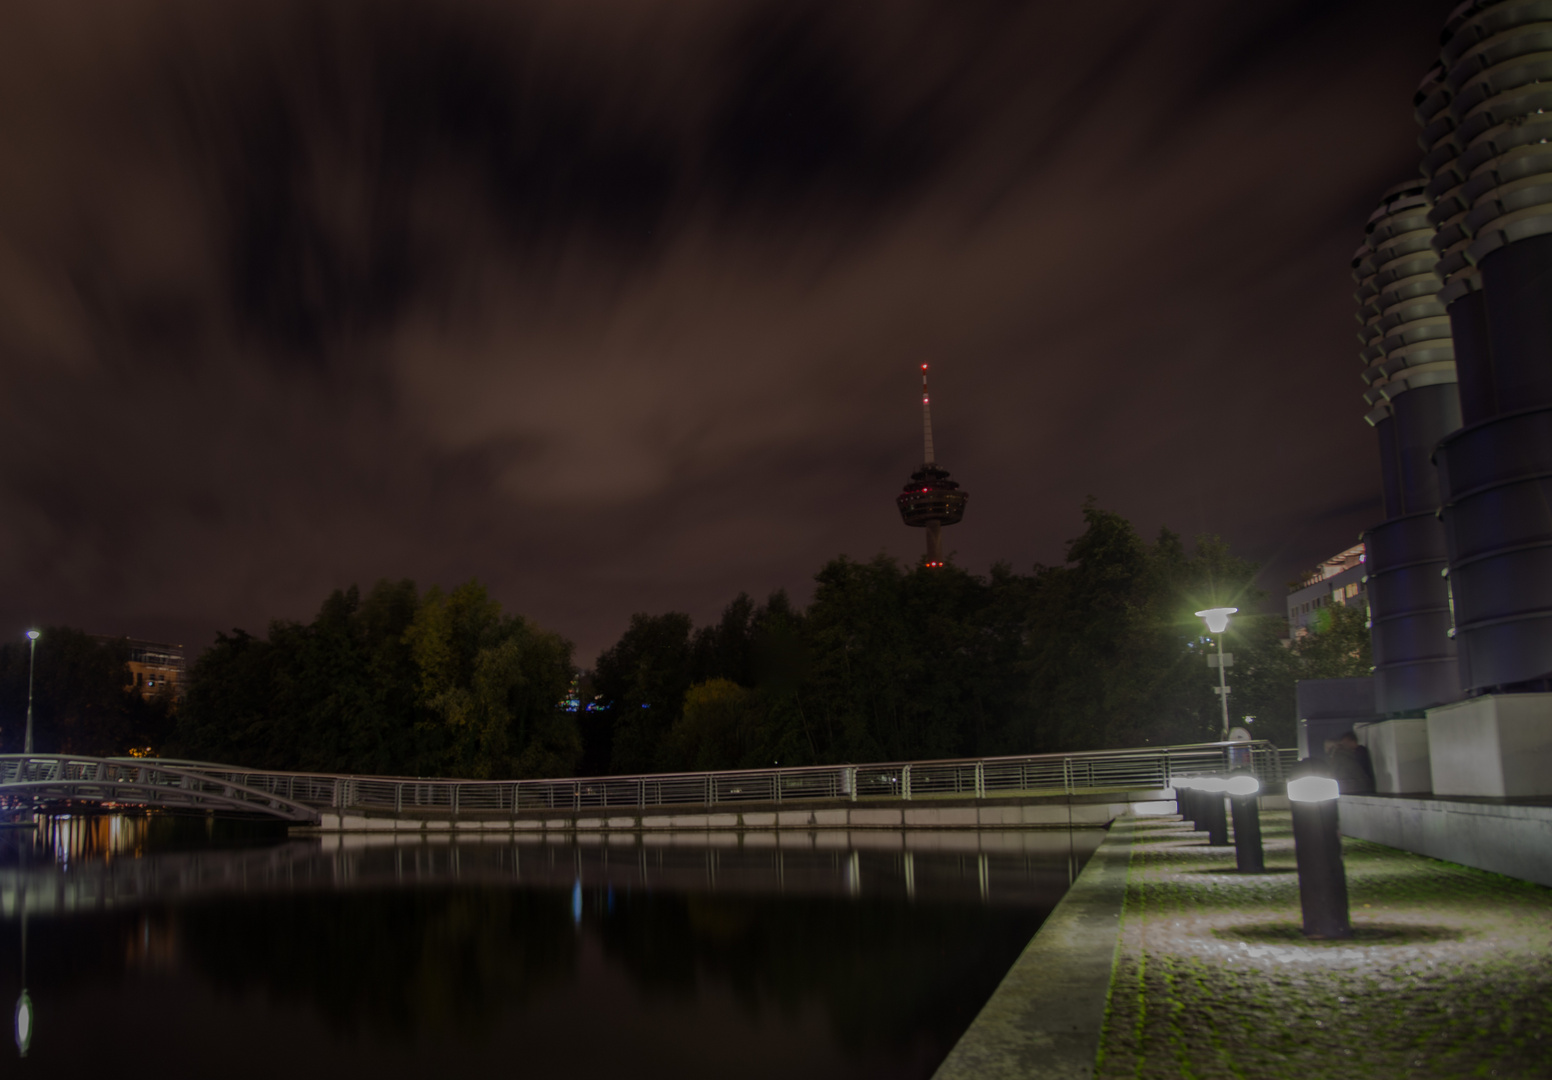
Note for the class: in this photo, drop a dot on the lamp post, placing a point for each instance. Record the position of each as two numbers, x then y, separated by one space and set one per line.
1217 622
32 659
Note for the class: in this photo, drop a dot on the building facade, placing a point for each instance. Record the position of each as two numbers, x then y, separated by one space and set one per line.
1341 579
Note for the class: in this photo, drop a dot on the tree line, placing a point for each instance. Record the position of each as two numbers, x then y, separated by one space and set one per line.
887 662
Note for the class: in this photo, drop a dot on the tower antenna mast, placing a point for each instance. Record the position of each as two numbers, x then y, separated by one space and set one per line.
929 456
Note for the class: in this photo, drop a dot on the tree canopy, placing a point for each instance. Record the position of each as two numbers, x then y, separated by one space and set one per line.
891 662
84 701
396 682
888 662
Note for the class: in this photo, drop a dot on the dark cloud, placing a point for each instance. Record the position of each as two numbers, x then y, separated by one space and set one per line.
616 305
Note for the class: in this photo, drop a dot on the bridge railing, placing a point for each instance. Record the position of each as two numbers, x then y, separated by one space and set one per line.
141 781
1038 774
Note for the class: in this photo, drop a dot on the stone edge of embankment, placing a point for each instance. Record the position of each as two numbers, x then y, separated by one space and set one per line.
1045 1019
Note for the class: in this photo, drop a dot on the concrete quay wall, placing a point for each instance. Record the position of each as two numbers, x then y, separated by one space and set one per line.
1005 813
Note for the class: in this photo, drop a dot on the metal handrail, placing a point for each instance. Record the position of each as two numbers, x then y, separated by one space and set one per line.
141 781
991 777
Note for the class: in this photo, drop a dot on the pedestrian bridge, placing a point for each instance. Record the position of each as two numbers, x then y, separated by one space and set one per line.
51 780
968 792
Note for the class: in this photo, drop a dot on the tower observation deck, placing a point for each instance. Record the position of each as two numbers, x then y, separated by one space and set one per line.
930 500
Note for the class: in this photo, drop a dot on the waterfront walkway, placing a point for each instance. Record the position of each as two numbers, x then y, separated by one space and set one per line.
1449 973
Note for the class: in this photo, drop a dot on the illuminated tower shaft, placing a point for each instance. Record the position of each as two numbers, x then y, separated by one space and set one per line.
930 500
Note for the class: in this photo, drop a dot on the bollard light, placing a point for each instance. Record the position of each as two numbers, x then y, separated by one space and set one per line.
1213 789
1317 847
1182 787
1249 856
1195 806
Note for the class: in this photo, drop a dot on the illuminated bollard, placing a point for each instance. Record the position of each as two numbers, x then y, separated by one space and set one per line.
1182 798
1215 819
1195 804
1318 848
1248 855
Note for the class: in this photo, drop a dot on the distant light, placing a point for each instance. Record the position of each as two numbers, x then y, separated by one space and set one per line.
1243 785
1217 618
1308 789
33 634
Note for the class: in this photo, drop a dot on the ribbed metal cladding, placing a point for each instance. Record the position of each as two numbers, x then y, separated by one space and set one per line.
1408 358
1487 119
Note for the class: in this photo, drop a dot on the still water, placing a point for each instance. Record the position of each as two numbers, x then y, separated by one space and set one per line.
200 949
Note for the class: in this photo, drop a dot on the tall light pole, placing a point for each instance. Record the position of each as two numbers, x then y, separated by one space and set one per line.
32 659
1217 622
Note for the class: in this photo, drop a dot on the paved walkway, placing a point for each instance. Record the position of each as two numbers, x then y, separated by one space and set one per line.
1449 974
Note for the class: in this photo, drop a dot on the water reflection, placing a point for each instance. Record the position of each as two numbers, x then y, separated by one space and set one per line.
761 955
23 1016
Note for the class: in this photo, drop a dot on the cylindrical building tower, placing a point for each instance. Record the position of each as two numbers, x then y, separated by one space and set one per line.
1488 118
1409 364
931 500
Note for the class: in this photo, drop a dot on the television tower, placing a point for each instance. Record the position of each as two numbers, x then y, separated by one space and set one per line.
931 500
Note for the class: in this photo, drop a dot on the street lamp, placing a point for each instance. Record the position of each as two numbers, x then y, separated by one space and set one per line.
1217 622
32 659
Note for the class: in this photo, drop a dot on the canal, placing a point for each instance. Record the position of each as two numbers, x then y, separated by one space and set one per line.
200 947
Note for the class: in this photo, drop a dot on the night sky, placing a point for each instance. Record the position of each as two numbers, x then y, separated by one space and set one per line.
617 305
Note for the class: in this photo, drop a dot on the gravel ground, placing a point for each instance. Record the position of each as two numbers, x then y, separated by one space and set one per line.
1449 973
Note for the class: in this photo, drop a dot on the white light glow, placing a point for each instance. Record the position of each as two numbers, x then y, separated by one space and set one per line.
33 634
1217 618
1243 785
1311 789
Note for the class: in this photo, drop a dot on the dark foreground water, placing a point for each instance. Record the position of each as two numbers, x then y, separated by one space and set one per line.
162 944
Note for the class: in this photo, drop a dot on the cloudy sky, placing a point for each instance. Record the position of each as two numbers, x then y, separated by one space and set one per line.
617 305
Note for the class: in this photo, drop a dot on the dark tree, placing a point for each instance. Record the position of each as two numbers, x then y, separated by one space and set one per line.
83 700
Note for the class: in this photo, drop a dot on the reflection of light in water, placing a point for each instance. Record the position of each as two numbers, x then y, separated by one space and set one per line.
23 1003
23 1023
76 837
576 903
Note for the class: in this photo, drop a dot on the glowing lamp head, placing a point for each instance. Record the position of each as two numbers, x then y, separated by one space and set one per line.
1243 786
1217 618
33 635
1312 789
